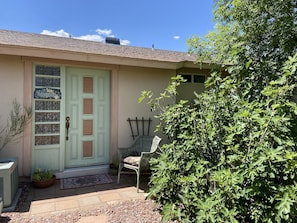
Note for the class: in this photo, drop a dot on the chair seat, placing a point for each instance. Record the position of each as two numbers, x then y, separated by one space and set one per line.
132 160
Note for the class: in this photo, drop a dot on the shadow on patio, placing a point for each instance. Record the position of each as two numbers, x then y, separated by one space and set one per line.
39 202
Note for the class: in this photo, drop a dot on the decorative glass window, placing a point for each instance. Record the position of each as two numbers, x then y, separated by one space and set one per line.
47 103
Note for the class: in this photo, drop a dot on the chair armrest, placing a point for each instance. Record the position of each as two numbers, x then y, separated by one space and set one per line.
157 152
146 156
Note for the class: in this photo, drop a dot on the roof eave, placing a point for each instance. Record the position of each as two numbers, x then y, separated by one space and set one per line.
93 58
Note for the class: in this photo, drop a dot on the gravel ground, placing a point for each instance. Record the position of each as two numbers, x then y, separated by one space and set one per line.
135 211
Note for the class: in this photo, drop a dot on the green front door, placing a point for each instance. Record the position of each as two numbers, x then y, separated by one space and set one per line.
88 115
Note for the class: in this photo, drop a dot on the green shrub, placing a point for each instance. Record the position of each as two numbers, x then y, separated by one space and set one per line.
230 159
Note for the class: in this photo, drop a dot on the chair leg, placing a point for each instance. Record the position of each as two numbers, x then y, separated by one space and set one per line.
138 174
119 172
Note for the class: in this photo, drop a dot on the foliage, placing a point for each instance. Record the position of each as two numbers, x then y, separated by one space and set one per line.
257 30
232 155
15 125
260 33
42 175
230 160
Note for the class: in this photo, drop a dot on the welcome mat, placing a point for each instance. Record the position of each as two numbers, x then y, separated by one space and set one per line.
84 181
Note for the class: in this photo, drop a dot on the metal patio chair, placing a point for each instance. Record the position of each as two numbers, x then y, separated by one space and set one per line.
137 156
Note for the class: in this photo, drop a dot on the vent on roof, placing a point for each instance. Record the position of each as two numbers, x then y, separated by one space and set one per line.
112 40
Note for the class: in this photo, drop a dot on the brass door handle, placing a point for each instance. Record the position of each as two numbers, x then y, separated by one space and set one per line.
67 127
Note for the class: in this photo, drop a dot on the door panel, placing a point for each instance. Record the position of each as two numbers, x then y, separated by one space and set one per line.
87 105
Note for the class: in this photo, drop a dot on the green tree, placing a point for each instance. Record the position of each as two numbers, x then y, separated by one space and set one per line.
260 33
232 155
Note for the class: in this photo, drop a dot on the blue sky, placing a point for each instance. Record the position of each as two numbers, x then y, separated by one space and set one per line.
165 23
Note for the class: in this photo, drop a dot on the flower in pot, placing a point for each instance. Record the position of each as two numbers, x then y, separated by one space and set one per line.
43 178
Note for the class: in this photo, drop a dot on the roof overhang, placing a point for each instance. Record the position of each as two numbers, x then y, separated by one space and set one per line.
46 53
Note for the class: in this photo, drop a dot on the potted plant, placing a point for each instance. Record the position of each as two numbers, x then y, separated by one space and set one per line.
43 178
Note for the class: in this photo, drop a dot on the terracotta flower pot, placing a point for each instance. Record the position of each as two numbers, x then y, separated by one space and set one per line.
44 184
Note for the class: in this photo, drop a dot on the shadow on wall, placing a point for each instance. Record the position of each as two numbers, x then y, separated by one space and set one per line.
139 126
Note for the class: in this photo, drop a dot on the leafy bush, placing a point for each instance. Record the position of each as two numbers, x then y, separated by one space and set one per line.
230 159
42 175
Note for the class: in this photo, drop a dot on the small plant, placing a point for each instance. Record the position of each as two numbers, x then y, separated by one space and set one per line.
18 118
42 175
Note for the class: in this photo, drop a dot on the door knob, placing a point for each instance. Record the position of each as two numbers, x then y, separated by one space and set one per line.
67 126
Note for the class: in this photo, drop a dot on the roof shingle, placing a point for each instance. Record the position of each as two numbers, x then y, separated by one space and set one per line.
23 39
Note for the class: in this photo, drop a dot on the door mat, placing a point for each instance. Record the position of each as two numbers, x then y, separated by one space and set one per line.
84 181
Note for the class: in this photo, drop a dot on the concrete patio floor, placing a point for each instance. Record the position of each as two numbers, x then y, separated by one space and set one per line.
53 200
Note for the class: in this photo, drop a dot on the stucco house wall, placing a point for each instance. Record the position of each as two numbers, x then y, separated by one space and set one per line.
11 81
132 70
132 81
11 85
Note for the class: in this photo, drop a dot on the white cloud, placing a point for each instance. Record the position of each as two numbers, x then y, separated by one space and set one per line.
96 38
176 37
104 32
99 37
60 33
125 42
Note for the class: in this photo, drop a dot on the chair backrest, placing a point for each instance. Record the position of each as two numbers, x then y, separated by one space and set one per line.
143 144
155 143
